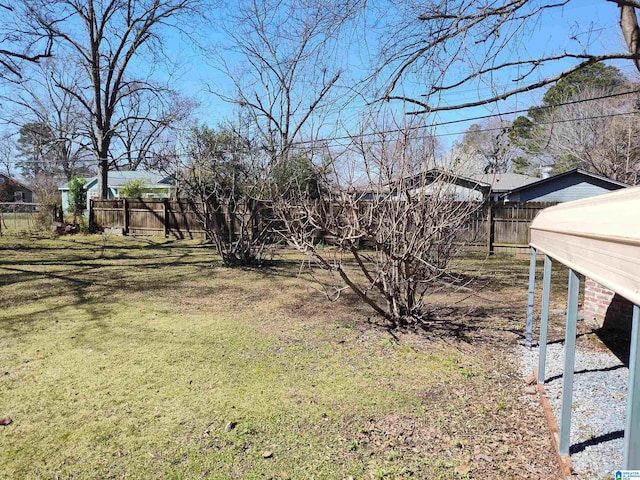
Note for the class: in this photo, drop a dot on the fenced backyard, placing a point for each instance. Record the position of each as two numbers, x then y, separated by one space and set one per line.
142 358
152 217
497 228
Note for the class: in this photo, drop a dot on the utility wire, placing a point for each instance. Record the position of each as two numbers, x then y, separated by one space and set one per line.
484 117
324 141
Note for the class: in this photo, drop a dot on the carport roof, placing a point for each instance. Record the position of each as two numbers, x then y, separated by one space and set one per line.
598 237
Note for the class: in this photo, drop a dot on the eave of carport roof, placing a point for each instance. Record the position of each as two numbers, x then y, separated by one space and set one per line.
598 237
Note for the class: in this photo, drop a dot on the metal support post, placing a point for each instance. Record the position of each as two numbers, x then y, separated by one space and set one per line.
544 318
532 286
569 363
631 449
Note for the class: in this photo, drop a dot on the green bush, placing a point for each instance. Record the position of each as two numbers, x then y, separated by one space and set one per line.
77 196
134 189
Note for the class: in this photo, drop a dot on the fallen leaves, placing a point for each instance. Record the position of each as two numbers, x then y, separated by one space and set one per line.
462 469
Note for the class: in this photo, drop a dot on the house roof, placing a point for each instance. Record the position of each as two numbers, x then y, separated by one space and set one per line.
117 179
504 182
20 184
459 180
566 174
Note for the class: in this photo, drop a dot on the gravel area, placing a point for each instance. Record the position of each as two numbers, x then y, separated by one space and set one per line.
599 401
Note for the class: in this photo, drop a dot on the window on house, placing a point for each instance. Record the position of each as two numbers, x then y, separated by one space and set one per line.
18 197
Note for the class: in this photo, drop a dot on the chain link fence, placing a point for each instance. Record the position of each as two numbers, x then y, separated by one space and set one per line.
16 217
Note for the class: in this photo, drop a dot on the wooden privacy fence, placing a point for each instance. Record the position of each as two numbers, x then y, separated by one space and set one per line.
153 217
507 225
498 228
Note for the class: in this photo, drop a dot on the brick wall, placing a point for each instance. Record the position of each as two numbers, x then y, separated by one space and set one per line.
604 308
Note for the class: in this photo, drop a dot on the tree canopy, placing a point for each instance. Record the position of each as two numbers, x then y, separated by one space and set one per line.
596 77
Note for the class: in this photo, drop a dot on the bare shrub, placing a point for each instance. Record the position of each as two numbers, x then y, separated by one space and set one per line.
223 178
394 230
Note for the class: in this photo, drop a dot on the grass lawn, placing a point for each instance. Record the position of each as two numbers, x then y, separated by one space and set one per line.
19 222
156 362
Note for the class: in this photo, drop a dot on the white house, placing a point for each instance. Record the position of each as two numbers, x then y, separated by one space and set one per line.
158 185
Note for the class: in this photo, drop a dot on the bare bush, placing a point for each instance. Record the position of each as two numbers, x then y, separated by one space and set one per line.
221 175
395 230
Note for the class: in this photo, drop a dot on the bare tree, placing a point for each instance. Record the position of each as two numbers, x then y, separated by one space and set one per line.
7 148
108 39
149 129
25 36
601 136
287 84
394 230
465 44
222 176
489 142
39 101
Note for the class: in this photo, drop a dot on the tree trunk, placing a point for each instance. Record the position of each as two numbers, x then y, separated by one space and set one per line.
103 184
630 30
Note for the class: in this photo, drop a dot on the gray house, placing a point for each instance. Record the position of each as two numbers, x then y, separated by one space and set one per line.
457 187
502 183
564 187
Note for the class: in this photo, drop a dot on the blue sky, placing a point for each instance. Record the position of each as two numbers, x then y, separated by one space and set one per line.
595 21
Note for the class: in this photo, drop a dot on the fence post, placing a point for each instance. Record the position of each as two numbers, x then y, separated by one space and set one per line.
91 214
490 228
125 205
165 204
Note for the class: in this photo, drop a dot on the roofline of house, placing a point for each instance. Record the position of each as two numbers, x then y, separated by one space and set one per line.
506 190
95 179
20 184
483 186
564 174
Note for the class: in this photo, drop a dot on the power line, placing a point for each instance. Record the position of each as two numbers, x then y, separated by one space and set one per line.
491 129
324 141
482 117
566 120
436 135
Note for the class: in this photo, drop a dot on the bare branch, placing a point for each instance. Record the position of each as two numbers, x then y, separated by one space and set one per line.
478 41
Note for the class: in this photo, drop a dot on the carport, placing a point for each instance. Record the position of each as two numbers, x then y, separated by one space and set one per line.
598 237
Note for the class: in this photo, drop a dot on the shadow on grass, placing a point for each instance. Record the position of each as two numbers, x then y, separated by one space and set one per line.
47 277
150 266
